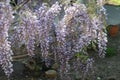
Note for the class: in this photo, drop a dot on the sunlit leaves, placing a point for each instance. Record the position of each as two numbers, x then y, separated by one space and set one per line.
113 2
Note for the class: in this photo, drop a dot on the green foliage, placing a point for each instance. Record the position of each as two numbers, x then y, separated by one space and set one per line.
108 28
92 46
110 52
114 2
82 56
16 6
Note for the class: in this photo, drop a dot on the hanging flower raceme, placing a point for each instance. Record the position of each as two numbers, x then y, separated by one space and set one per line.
100 22
46 24
100 35
73 35
102 44
28 30
84 28
5 47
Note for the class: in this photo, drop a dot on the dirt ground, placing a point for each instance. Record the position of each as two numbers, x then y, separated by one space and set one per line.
109 67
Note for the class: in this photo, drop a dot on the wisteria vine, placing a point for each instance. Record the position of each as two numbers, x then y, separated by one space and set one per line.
5 45
65 38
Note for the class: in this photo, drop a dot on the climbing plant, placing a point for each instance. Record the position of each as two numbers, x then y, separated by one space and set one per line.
60 31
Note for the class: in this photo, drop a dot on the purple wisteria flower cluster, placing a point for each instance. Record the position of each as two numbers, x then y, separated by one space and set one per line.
102 33
5 47
46 24
73 35
28 26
